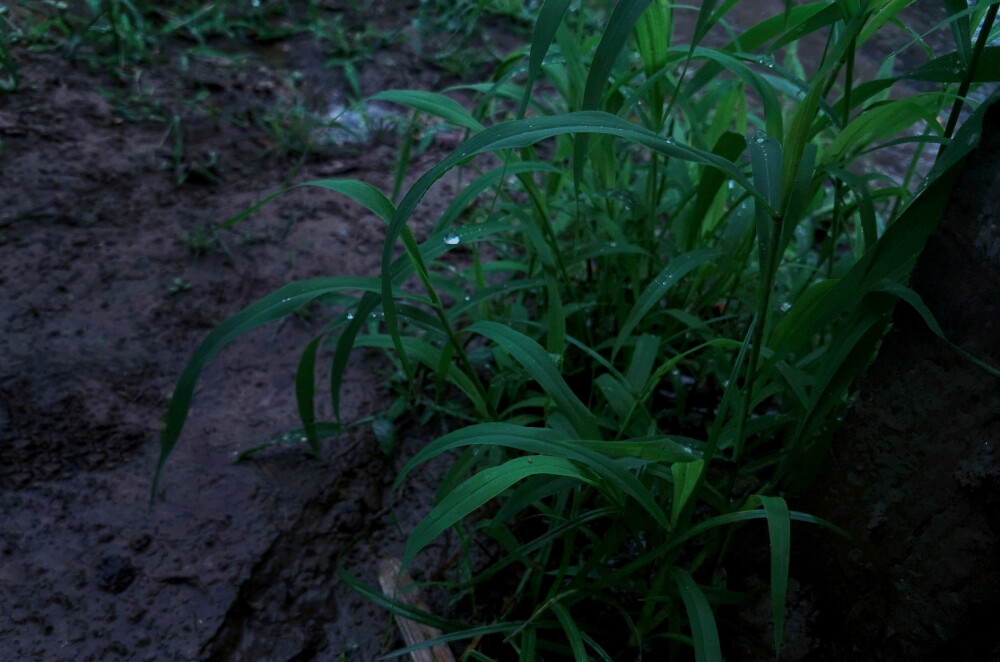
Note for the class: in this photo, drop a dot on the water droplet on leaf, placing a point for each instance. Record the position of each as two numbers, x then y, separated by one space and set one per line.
452 239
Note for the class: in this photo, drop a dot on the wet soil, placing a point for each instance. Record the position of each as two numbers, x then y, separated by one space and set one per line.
914 475
108 283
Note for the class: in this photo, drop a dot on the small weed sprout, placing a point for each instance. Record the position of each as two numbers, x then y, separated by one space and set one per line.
201 240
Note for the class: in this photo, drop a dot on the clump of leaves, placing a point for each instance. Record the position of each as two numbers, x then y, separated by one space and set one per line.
689 264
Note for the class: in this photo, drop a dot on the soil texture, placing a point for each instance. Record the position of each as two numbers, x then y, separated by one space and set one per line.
109 278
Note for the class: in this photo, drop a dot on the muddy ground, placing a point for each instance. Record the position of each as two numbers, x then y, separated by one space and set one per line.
108 283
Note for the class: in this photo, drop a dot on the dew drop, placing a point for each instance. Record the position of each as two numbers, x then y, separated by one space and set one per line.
671 141
350 315
766 60
760 138
452 239
786 306
466 298
373 316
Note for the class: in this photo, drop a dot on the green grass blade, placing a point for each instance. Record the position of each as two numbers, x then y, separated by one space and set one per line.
430 357
481 488
866 207
686 477
550 17
274 306
704 21
620 25
653 32
765 162
779 531
543 370
821 19
643 359
500 434
614 475
729 146
961 29
949 69
885 12
570 629
465 633
773 120
619 397
481 184
345 344
669 276
913 299
361 192
663 450
800 192
432 103
555 339
397 607
884 120
703 629
305 393
7 64
753 39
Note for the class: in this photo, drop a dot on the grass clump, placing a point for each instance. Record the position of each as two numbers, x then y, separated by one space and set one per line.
681 262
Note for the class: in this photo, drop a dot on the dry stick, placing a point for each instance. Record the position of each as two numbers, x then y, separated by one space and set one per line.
393 582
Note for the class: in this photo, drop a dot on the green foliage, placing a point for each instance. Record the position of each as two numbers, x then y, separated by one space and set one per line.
685 274
120 34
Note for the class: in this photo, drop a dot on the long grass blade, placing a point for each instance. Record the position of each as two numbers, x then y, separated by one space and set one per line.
703 629
779 531
274 306
664 281
550 17
480 489
433 104
541 367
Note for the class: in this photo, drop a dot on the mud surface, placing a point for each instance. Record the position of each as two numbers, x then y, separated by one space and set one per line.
108 281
